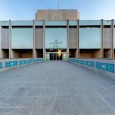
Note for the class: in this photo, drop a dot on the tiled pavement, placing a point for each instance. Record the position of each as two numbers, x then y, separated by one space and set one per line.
56 88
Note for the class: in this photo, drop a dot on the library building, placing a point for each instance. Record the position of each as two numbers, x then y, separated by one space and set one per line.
57 35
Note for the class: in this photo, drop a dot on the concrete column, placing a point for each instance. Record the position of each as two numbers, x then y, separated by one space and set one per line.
0 41
10 40
68 38
112 27
34 50
78 52
44 39
102 40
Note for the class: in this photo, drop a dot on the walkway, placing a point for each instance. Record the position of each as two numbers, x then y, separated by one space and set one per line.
56 88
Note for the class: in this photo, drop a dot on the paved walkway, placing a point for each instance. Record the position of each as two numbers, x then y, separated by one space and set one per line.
56 88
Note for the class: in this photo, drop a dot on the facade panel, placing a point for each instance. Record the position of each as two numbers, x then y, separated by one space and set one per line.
89 22
107 38
39 38
5 38
22 23
22 38
107 22
72 23
90 38
39 23
4 23
55 23
56 38
73 38
114 38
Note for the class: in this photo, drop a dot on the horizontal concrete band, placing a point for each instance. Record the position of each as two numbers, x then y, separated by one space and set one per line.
7 64
104 66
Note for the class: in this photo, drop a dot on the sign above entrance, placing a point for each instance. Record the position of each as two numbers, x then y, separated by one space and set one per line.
55 38
56 44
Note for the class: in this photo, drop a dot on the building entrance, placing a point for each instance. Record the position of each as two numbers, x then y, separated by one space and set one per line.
55 56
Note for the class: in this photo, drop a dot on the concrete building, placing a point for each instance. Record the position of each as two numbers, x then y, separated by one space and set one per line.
57 34
57 15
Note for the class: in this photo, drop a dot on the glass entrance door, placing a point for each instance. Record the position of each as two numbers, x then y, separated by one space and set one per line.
51 56
55 56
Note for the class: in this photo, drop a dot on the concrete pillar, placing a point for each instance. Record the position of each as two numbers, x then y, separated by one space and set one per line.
112 27
34 49
0 41
44 39
102 40
78 52
10 40
68 38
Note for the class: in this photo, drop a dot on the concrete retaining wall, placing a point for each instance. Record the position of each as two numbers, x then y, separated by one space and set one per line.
104 66
6 64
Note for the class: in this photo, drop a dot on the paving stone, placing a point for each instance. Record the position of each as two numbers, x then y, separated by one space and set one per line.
56 88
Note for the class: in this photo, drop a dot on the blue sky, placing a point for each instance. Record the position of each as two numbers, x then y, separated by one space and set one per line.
25 9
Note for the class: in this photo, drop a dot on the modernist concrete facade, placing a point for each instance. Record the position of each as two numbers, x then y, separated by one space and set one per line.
57 15
55 31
